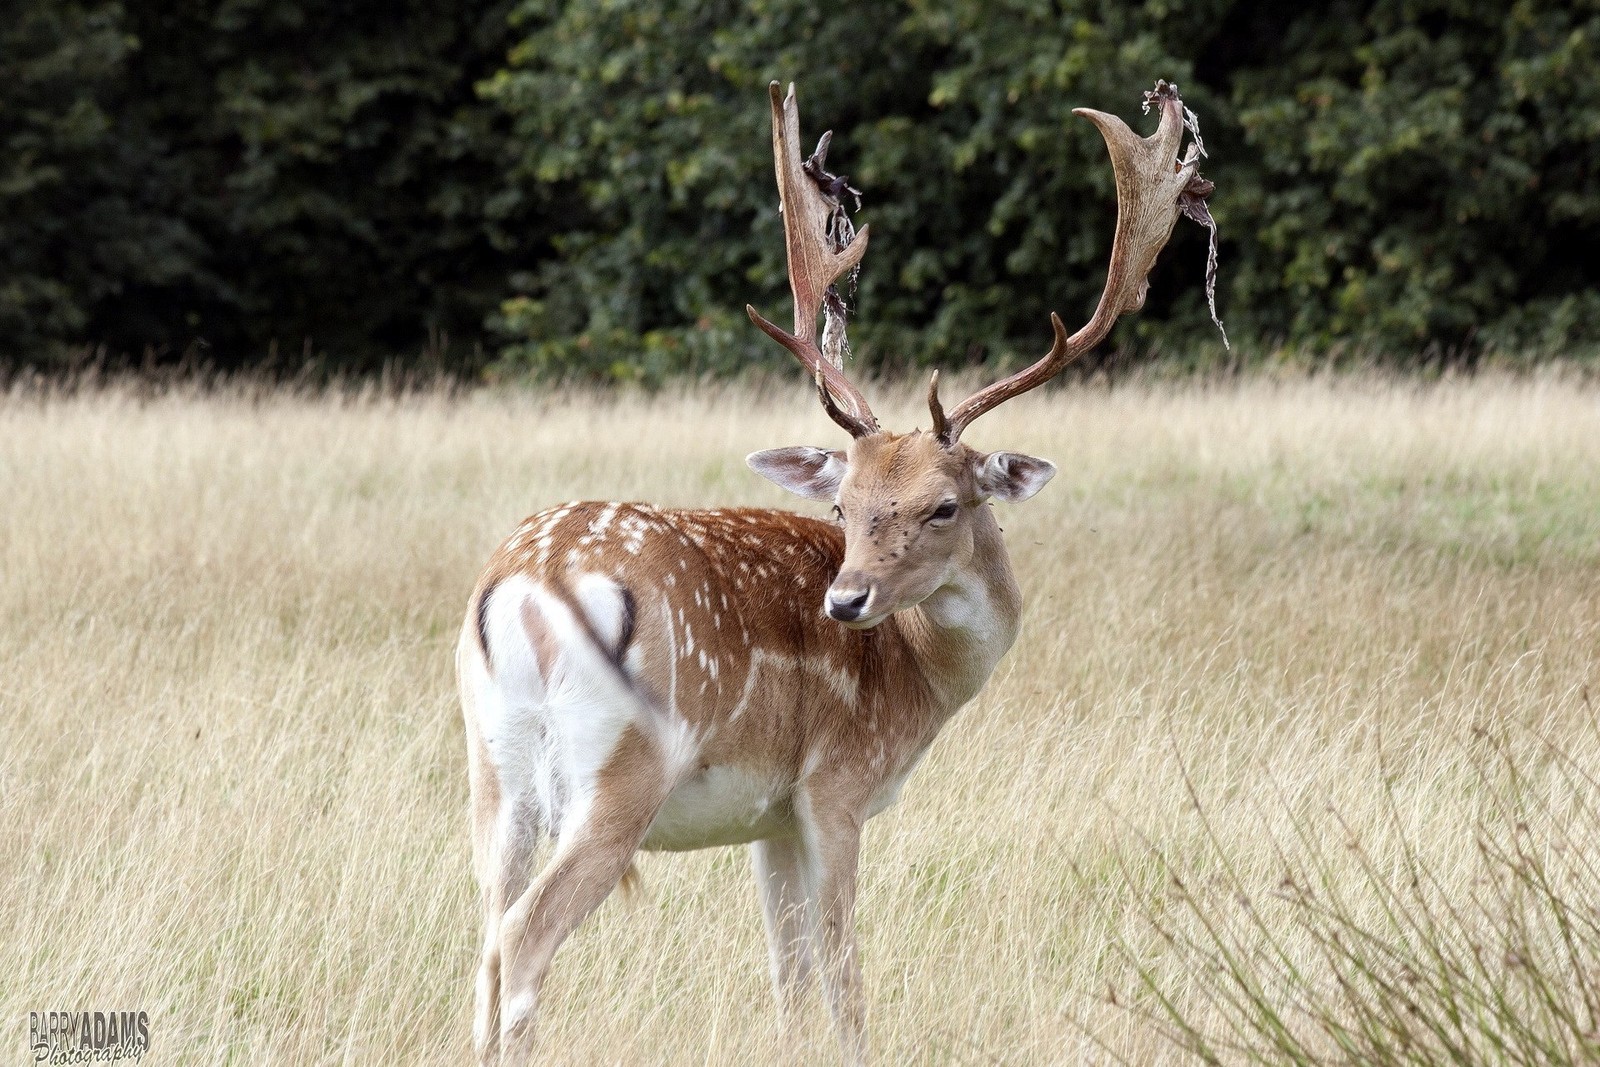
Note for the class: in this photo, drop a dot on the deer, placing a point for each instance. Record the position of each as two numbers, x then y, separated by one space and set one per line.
641 678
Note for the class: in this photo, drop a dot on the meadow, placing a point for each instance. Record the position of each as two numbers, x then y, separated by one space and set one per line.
1299 657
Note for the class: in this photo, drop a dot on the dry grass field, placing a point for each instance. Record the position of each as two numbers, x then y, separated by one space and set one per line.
1272 627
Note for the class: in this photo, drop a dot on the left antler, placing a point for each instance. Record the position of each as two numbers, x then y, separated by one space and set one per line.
814 264
1151 187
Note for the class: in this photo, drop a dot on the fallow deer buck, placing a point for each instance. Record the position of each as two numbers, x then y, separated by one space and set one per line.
635 677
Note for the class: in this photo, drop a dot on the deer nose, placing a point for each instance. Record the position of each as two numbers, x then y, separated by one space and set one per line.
848 603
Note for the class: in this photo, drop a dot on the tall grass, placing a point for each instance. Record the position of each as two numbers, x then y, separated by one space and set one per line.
1291 646
1389 958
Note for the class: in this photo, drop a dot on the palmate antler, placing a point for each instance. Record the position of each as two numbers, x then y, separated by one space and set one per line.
1153 187
814 264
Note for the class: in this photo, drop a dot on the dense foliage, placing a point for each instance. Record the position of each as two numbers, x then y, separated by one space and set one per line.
218 180
586 188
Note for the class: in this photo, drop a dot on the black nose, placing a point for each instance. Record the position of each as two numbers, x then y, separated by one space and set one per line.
847 605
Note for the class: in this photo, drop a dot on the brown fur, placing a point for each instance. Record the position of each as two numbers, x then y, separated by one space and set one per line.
839 714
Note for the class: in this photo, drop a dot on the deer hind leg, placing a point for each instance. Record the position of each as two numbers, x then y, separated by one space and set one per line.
508 759
504 836
508 857
785 903
593 854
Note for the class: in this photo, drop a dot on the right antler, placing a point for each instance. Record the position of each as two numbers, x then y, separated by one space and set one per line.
1152 187
814 265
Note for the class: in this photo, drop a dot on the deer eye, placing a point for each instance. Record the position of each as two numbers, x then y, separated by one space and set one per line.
944 512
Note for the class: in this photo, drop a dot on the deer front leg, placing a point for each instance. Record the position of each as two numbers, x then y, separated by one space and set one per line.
781 884
831 835
589 862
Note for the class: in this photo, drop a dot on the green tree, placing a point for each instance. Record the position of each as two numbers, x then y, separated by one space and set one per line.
337 162
254 174
1425 173
1394 177
85 211
590 184
989 203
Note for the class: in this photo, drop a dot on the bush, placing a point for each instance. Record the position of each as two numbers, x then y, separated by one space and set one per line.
1401 964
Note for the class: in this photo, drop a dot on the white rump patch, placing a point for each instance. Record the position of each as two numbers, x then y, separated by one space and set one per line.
605 604
549 732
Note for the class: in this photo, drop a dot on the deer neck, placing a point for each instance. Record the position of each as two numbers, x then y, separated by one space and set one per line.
959 633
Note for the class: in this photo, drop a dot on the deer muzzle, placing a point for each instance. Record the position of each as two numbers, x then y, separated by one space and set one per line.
850 597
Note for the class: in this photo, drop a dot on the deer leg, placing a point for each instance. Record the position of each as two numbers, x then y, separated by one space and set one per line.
832 840
780 880
505 849
589 861
503 840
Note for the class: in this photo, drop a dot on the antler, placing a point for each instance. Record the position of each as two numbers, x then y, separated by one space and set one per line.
814 263
1151 185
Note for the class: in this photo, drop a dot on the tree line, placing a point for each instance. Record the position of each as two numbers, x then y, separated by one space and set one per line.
584 189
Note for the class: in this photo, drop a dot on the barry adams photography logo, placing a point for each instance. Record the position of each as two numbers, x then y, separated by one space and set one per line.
88 1036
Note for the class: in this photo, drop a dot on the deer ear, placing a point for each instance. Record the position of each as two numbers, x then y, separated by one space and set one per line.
1012 476
814 473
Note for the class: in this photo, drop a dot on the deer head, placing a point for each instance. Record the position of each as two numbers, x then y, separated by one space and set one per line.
912 504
